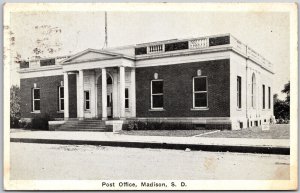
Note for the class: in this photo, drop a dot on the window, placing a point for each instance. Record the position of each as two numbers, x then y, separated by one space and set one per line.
176 46
61 98
253 91
269 94
126 98
217 41
157 96
36 99
109 103
24 64
47 62
141 51
87 100
241 125
200 92
263 95
239 92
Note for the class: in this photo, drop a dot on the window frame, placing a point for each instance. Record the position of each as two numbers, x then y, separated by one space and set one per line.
269 99
194 92
33 100
60 98
155 108
89 100
253 91
264 96
239 92
128 98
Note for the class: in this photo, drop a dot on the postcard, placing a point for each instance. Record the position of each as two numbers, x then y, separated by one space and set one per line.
150 96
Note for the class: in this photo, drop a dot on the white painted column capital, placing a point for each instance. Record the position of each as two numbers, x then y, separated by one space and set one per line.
104 94
66 96
122 92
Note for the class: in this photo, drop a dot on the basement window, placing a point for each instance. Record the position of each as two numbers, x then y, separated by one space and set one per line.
241 125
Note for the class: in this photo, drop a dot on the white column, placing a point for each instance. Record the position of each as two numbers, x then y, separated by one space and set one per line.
80 104
104 95
122 92
132 93
66 96
92 94
115 95
77 94
95 94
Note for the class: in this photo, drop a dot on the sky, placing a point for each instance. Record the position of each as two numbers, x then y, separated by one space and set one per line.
73 32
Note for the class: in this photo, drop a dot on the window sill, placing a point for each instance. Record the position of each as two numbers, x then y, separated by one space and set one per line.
200 109
127 110
239 109
60 112
156 109
35 112
87 111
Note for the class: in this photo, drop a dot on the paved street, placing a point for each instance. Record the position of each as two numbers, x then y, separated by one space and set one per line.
71 162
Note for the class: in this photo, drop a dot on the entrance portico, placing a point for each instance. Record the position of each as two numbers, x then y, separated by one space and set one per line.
102 81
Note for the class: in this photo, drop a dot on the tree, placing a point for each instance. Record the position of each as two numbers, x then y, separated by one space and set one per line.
48 40
47 43
282 107
15 99
286 90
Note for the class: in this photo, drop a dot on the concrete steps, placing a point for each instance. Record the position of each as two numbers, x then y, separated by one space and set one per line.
84 125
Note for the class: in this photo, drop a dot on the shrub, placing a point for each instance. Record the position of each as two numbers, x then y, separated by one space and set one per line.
132 125
40 122
145 125
282 121
14 106
25 124
14 122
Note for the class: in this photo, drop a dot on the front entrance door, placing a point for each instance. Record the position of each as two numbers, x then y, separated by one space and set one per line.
109 101
109 90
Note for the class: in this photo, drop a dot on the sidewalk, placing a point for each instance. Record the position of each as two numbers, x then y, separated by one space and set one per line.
245 145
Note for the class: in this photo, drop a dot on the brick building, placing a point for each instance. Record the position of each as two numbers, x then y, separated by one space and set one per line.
216 81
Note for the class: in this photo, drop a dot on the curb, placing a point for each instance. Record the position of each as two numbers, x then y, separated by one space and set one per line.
202 147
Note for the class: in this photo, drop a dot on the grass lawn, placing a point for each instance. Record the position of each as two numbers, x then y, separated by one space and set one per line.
278 131
171 133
